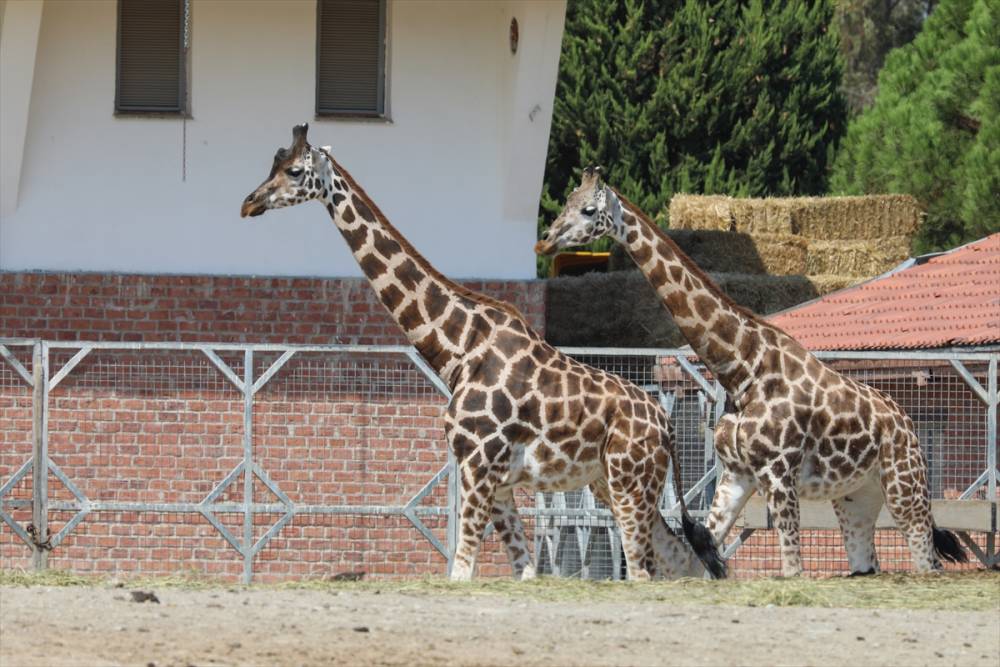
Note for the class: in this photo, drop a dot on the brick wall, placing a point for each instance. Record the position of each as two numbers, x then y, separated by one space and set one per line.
166 427
161 427
123 307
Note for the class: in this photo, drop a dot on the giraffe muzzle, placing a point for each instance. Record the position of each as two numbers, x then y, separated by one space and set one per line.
252 207
545 247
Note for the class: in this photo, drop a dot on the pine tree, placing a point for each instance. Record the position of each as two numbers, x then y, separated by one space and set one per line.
715 97
870 29
933 129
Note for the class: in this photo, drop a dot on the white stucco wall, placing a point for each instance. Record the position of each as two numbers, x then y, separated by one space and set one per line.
458 170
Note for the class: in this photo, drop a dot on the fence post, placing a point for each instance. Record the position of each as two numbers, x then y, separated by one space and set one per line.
40 456
248 467
991 453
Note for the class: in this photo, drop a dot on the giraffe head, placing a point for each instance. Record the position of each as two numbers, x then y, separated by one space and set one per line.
591 211
297 175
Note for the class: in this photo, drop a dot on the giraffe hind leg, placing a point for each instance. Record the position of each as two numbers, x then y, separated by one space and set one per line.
508 525
857 513
907 495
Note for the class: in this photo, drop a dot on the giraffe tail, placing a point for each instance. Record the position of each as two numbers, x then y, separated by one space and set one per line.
696 534
947 546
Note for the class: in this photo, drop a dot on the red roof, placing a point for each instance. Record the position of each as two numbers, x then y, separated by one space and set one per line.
949 300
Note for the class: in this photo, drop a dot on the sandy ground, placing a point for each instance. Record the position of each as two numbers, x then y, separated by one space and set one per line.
86 626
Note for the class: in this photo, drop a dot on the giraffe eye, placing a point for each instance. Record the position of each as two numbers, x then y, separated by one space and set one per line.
294 172
590 210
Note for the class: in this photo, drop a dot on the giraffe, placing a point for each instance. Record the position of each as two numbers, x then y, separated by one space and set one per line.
522 414
800 430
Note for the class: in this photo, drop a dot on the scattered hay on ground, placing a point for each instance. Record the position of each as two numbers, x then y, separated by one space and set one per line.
965 591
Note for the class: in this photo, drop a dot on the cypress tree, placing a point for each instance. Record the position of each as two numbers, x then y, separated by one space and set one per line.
714 97
933 130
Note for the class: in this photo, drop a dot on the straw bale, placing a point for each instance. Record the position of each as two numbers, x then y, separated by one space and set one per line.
824 284
621 309
856 258
722 213
821 218
731 252
853 218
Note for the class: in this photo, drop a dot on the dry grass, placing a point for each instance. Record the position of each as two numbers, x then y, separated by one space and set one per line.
973 591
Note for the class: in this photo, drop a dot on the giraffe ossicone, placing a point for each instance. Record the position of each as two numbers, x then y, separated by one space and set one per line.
801 430
522 414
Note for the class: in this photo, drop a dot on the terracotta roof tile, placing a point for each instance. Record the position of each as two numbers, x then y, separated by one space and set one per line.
950 300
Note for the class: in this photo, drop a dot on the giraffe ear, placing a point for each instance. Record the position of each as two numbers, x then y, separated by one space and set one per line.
328 149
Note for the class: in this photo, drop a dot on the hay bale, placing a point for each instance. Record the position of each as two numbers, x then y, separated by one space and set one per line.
825 284
821 218
727 214
856 258
620 309
731 252
781 254
701 212
853 218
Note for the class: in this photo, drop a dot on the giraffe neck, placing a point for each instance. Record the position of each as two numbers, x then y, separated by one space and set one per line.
442 319
728 339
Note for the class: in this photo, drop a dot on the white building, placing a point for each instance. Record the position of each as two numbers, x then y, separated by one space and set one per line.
452 145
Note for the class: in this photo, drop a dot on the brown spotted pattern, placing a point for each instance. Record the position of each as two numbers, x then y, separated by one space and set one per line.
800 429
522 414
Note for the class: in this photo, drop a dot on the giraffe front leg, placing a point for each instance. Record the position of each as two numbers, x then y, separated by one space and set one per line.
783 503
857 513
507 523
477 505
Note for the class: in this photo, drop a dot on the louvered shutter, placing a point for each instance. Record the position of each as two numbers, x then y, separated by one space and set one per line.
350 57
150 73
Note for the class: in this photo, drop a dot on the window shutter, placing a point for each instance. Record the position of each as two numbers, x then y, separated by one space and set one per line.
350 57
150 74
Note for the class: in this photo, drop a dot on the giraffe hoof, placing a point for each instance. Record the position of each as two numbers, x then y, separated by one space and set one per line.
528 573
867 573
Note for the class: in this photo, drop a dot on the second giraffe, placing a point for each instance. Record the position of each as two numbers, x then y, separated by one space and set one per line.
800 430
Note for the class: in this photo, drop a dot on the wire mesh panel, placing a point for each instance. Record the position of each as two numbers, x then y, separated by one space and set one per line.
361 435
150 429
15 451
331 461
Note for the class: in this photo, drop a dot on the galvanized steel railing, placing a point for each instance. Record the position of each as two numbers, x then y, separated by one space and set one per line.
569 528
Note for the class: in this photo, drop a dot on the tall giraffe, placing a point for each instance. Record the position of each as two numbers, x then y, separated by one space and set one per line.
522 414
801 430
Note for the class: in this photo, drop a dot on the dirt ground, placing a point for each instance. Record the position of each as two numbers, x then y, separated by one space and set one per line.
100 624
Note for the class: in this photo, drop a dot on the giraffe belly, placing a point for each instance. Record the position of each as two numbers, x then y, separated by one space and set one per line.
819 481
543 466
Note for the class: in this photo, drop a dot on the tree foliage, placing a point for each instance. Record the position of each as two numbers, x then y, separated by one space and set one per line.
722 97
934 130
869 29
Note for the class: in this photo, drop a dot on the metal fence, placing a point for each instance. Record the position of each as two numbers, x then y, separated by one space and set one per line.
302 461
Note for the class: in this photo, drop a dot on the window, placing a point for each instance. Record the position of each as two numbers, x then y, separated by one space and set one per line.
150 76
350 57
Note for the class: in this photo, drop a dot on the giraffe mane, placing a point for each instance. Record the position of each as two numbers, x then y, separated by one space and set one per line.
688 263
461 290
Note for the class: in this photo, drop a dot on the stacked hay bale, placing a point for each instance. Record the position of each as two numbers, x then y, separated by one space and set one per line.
834 241
767 254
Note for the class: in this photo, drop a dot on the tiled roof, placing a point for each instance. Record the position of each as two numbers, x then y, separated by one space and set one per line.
950 300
